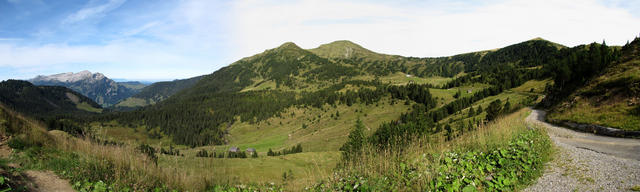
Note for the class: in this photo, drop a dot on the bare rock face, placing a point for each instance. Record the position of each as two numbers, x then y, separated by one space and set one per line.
96 86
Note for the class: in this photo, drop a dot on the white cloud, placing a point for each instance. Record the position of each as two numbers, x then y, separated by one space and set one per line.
424 31
200 36
129 58
92 11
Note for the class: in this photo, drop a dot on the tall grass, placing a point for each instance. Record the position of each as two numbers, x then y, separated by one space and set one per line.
412 167
407 167
78 159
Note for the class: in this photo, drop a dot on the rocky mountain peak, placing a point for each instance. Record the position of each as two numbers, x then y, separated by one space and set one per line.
69 77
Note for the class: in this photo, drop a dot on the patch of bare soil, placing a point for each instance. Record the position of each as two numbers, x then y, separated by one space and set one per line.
47 181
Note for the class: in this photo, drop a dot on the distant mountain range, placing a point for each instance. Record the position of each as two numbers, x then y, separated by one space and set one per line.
96 86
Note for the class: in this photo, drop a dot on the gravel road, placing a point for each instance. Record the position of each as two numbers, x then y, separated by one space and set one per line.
588 162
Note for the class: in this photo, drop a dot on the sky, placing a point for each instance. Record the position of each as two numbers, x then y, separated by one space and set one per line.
175 39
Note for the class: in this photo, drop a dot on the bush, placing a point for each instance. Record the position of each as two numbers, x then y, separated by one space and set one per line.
149 151
17 143
202 153
499 169
504 168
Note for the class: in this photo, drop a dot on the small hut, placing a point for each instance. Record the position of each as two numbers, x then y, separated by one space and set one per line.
234 149
251 150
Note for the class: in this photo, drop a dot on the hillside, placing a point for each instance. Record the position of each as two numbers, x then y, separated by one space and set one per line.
96 86
340 117
611 98
264 85
156 92
44 101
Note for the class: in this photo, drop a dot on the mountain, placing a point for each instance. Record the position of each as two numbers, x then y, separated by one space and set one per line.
156 92
261 86
611 98
44 101
136 85
96 86
344 49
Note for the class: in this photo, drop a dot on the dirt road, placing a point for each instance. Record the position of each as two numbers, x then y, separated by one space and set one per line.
588 162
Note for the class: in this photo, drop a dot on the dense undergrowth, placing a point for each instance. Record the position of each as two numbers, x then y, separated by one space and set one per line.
504 155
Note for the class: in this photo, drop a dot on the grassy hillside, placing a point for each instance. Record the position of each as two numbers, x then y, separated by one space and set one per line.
262 86
44 101
156 92
610 98
417 114
486 158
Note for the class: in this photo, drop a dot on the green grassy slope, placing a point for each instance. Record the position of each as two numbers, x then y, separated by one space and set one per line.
44 101
610 99
156 92
261 86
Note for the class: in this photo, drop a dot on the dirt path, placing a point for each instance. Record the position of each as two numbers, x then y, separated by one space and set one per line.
45 181
588 162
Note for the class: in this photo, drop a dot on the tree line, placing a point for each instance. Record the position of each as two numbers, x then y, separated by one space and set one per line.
293 150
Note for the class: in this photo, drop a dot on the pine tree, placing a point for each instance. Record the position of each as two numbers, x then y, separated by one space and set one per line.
458 94
472 112
507 107
448 132
270 153
356 141
494 110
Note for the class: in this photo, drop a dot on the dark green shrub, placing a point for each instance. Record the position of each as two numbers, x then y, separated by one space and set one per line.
17 143
202 153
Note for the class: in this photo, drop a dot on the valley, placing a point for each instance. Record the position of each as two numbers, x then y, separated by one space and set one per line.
342 118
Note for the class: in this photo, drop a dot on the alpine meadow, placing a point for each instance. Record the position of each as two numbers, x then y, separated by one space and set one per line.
531 116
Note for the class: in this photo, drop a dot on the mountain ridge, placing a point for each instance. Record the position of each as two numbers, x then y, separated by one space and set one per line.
259 86
96 86
44 101
156 92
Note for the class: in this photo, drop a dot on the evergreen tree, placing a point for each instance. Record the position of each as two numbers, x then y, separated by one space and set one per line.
449 132
356 141
507 107
472 112
494 109
270 153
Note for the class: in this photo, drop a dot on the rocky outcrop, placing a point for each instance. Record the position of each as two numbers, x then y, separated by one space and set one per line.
96 86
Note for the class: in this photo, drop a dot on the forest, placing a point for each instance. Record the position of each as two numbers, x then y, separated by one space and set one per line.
199 118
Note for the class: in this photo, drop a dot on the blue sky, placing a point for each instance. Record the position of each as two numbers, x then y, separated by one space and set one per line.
171 39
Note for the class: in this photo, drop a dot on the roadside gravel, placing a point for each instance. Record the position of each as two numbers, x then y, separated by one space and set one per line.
586 162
